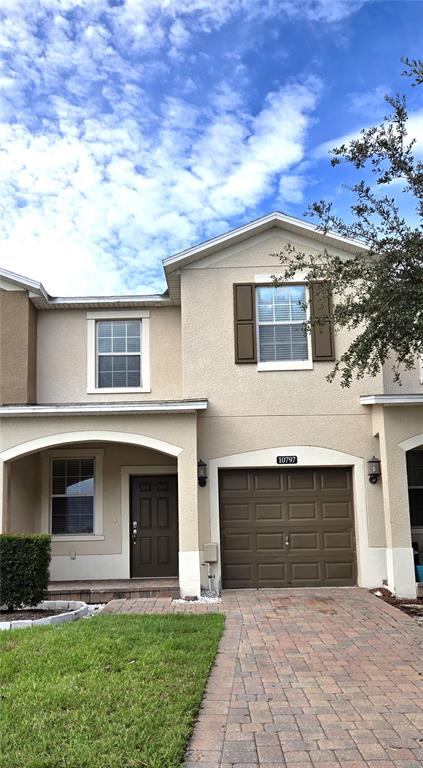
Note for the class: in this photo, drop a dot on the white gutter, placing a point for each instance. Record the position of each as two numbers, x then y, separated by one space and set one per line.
97 409
391 399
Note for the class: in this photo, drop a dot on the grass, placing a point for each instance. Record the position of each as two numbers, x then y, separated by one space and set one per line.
108 692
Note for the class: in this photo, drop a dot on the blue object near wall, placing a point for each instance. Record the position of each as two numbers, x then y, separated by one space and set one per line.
419 573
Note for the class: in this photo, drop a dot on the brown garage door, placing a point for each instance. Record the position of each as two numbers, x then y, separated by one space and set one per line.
287 527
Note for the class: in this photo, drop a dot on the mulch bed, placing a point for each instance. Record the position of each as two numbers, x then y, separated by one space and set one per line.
410 607
27 615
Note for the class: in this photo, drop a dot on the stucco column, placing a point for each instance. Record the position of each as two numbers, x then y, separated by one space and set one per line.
189 555
399 553
4 496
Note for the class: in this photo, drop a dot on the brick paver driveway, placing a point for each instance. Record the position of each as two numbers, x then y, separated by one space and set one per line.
311 678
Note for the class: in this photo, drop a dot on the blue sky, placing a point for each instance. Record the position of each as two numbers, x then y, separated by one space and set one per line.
130 129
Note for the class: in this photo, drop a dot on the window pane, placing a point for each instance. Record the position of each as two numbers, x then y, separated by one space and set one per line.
119 328
73 509
416 507
133 328
282 343
72 515
297 298
118 370
415 467
119 344
133 344
265 304
104 329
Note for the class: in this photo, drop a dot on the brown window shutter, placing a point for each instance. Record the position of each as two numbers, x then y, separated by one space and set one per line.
245 323
322 336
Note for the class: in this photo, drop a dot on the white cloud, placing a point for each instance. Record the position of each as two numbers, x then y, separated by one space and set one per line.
101 172
86 211
414 131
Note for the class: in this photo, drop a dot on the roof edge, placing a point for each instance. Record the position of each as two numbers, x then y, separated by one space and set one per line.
276 218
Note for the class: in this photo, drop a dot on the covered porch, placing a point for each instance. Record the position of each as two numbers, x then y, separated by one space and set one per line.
119 497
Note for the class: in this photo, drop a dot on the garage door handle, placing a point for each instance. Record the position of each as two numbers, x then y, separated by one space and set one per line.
287 540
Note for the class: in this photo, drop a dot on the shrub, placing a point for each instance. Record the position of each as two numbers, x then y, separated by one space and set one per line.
24 569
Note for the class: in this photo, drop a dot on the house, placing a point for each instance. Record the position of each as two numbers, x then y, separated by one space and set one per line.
115 409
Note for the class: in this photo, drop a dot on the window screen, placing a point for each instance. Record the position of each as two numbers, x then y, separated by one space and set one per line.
118 353
72 496
281 314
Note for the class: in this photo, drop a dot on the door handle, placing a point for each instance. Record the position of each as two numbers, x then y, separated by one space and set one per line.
287 540
134 531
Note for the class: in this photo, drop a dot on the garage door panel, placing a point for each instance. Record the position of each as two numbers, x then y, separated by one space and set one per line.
304 540
337 510
268 511
239 575
306 572
338 540
268 480
287 527
238 541
306 510
335 479
235 512
271 573
234 481
299 481
266 541
339 572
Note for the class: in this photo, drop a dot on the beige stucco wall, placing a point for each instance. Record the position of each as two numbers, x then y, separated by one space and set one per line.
409 380
18 339
62 357
396 424
25 495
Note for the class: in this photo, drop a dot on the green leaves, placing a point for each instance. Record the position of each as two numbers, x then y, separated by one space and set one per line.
378 291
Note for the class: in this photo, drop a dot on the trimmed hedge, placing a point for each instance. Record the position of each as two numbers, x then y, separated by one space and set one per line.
24 569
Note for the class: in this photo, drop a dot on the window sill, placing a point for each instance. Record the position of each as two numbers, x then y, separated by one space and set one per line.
117 390
77 537
292 365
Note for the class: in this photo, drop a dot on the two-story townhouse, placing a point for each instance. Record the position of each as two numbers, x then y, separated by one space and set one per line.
150 434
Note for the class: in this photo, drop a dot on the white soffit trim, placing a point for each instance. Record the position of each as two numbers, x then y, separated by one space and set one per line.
176 406
289 223
391 399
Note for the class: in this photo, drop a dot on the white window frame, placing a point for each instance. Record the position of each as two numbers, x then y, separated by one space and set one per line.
143 316
283 365
46 503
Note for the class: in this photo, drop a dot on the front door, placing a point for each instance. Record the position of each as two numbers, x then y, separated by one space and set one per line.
154 526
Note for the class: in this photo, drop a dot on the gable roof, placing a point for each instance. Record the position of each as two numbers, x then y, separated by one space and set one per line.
173 264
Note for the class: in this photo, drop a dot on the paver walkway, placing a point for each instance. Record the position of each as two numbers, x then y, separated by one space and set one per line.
309 677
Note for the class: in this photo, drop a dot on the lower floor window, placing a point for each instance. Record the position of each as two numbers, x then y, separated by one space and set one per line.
72 496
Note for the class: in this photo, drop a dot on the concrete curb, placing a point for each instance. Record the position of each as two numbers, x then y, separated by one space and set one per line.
72 610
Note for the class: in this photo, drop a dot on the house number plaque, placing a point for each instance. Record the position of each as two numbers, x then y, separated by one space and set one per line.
286 459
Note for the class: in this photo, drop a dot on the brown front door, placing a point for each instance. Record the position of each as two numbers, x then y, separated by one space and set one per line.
287 527
154 526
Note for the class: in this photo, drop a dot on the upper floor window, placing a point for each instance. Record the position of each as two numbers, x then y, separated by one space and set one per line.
118 353
281 318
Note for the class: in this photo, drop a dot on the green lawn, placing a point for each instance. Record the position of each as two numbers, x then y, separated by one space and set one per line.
108 692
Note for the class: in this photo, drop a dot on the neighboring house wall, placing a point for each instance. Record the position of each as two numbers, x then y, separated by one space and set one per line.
18 341
62 357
